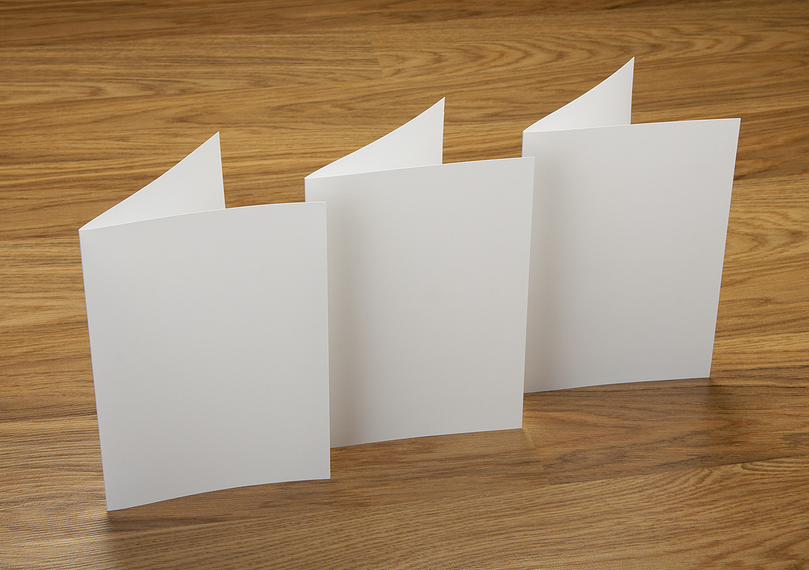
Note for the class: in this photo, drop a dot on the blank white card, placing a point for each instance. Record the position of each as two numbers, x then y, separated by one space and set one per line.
629 227
208 333
428 285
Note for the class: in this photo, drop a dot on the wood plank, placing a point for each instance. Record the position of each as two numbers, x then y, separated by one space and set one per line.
59 21
747 514
594 433
47 463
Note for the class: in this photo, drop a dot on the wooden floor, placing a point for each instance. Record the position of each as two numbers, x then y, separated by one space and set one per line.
99 98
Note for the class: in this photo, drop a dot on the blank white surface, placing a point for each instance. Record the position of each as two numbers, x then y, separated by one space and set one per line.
209 340
629 234
428 284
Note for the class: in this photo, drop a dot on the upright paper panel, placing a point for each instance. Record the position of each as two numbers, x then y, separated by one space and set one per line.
629 230
428 284
209 345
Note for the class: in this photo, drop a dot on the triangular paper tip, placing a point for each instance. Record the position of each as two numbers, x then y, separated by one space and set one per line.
607 104
419 142
194 184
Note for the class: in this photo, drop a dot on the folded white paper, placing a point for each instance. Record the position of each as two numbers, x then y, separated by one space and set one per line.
208 333
231 347
428 285
629 227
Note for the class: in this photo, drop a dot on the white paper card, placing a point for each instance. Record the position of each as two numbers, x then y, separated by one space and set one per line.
208 332
428 285
629 227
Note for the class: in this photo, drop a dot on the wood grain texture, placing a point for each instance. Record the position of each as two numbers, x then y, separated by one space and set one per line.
593 433
98 98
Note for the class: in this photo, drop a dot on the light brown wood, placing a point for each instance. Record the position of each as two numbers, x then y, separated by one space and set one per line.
99 98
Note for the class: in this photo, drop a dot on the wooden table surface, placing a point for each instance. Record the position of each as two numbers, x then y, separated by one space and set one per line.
99 98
